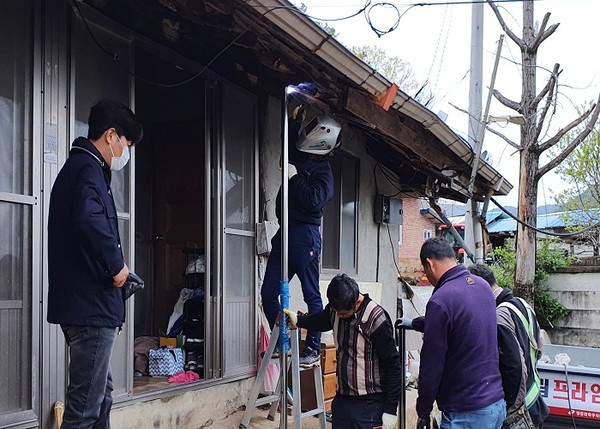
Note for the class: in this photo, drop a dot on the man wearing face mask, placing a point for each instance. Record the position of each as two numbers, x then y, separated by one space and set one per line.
85 261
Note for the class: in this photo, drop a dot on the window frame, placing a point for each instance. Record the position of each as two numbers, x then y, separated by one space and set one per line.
338 172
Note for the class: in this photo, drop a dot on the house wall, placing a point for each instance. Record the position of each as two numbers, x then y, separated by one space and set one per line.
577 289
182 410
413 229
376 255
192 409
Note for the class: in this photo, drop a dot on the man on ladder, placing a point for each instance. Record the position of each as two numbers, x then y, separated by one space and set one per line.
310 185
310 189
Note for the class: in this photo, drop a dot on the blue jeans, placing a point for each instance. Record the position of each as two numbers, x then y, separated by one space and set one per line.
89 395
490 417
356 412
303 261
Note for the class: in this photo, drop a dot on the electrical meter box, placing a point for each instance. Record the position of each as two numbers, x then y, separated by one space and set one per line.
387 210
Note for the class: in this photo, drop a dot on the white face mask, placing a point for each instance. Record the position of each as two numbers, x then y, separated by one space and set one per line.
118 163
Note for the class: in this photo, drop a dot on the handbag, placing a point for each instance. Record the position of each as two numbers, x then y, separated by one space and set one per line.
165 361
518 419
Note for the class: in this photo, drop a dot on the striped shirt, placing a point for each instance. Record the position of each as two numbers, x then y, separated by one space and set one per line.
368 363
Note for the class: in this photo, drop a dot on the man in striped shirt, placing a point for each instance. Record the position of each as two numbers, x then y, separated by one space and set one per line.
368 364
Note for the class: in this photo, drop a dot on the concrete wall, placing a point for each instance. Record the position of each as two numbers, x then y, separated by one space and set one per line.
192 409
578 289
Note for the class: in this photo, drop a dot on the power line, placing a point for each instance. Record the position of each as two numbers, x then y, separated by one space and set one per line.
554 234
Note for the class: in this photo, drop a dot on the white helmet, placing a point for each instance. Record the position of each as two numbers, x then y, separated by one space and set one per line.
320 136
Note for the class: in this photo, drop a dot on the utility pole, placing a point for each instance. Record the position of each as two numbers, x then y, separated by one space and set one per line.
473 235
477 229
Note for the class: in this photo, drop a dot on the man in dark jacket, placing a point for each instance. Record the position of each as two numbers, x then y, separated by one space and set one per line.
85 260
459 357
369 376
519 344
310 188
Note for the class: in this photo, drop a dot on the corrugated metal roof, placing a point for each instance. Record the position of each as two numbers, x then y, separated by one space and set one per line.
558 220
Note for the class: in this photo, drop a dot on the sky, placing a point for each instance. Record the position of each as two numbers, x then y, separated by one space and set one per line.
436 41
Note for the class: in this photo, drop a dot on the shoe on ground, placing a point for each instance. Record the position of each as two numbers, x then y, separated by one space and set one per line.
309 357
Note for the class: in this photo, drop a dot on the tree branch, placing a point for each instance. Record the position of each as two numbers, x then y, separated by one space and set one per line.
506 101
582 136
543 33
512 35
503 137
548 87
561 133
549 90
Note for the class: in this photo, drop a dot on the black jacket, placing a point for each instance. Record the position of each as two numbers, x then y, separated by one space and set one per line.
84 247
309 190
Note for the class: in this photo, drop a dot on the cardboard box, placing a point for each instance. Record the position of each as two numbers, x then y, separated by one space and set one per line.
167 341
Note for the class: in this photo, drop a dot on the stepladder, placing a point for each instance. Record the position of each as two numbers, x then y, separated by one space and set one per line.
293 396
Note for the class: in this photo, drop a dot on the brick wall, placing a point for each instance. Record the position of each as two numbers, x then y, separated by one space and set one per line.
413 226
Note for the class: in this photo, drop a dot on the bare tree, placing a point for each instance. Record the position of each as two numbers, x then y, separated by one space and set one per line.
534 107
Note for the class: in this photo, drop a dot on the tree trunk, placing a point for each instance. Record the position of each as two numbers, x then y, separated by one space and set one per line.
529 163
526 243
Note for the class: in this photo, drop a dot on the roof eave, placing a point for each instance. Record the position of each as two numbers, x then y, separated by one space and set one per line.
320 43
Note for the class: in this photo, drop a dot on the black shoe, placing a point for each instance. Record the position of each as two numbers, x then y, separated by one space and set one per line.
309 357
191 361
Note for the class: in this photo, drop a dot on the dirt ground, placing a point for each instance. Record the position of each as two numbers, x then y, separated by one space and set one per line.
259 418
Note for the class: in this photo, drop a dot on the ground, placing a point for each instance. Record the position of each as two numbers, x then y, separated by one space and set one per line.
259 418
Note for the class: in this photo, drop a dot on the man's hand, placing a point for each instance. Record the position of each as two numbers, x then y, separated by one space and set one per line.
389 421
423 423
404 322
293 317
292 171
120 279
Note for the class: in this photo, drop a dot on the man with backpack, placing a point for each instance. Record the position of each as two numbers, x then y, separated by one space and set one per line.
519 344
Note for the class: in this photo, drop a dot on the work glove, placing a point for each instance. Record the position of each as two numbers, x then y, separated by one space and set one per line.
404 322
132 285
292 171
423 423
389 421
292 317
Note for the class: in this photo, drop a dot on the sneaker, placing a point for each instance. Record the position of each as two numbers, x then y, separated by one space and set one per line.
191 362
309 357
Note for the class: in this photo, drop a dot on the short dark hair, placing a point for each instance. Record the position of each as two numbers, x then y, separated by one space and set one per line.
106 114
484 272
436 248
342 292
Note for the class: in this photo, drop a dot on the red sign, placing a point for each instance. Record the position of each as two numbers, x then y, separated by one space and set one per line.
579 398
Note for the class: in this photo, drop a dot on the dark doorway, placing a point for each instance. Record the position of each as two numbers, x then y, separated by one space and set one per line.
170 187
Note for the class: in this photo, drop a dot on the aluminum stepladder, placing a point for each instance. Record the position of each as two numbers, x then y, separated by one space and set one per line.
296 399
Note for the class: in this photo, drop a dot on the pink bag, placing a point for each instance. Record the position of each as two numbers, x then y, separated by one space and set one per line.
272 376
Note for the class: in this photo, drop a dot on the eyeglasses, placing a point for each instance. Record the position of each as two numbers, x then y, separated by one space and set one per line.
129 144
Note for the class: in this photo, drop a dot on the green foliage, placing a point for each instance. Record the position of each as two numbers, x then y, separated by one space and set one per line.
581 170
394 69
548 259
